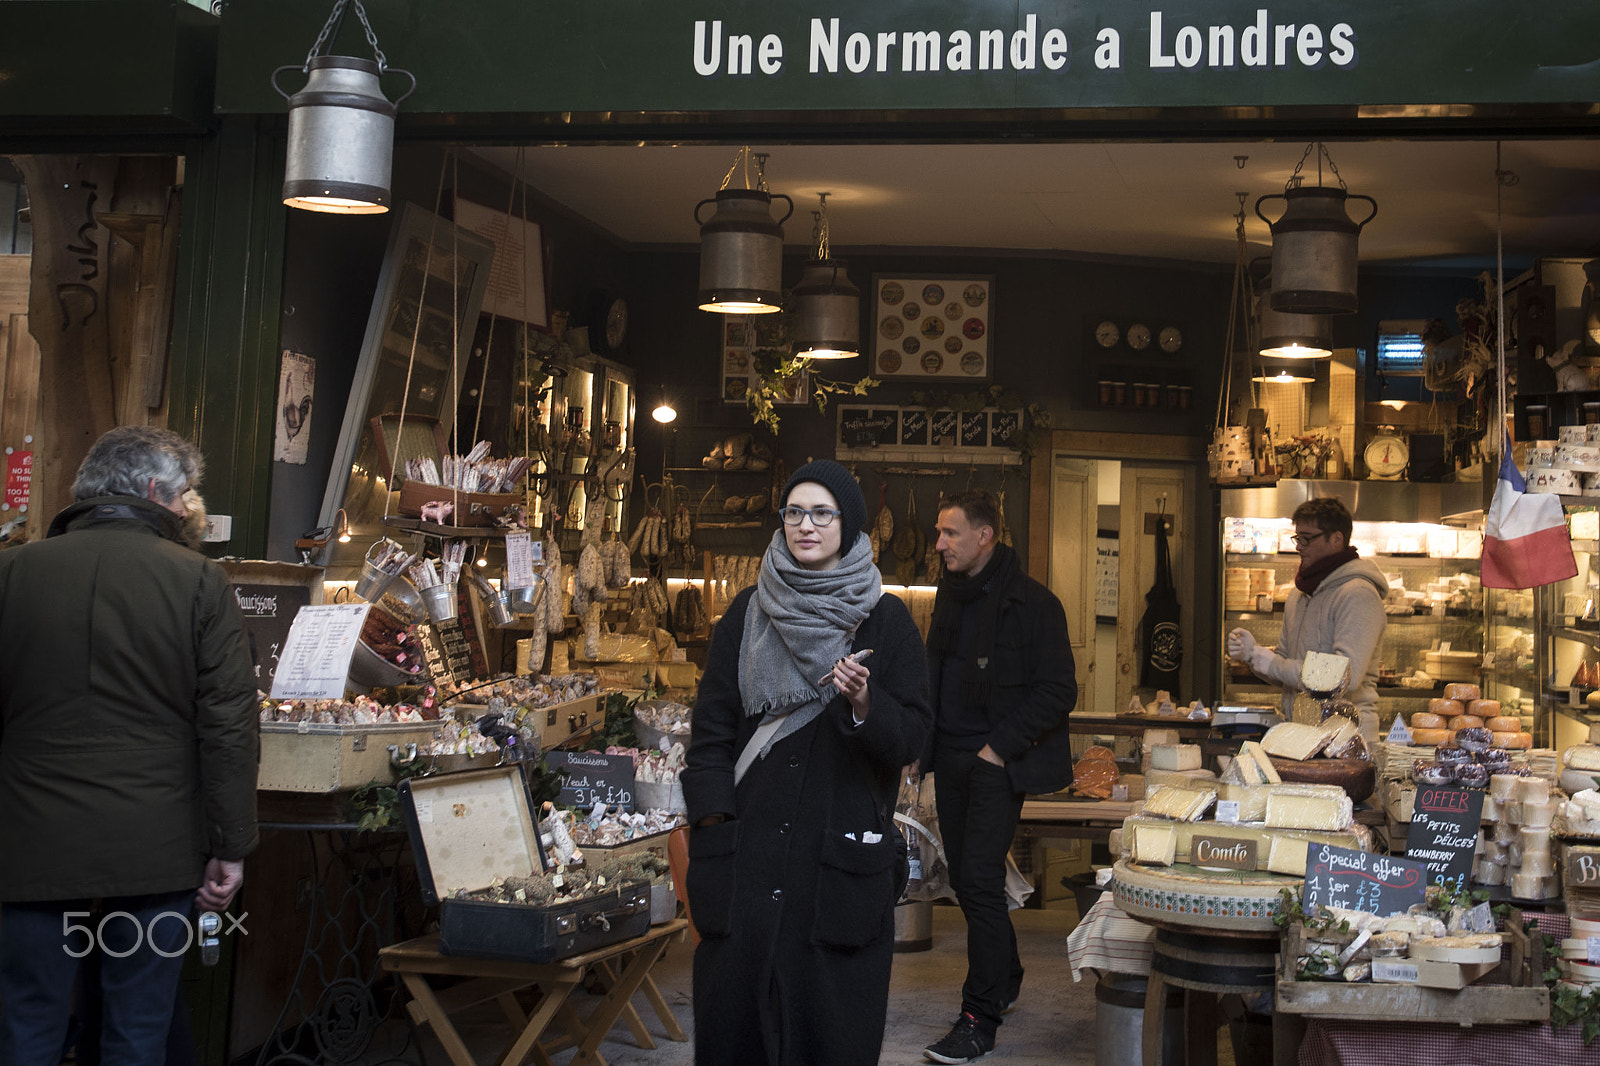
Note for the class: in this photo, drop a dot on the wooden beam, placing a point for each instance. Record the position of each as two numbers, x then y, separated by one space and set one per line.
14 282
69 313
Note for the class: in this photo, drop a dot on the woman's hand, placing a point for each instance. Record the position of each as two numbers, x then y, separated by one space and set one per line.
850 678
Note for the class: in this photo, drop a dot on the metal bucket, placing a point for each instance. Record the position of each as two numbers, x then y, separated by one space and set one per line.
913 926
500 615
440 602
529 600
1314 249
1119 1022
741 250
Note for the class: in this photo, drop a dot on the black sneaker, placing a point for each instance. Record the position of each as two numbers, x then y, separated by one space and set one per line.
967 1041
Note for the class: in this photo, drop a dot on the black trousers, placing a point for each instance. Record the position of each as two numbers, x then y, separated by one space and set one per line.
978 815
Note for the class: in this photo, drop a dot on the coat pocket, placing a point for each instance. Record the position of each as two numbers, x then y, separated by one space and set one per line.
855 889
711 880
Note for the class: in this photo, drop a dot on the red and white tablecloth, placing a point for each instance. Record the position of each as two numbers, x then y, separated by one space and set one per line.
1109 941
1387 1042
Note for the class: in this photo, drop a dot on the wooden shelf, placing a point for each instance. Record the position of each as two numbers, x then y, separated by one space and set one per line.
1582 636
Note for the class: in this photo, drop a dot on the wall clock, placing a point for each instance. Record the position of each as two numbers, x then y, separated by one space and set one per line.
1106 334
1138 336
1170 339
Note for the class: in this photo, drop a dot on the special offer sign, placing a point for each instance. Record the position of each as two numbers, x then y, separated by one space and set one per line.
19 479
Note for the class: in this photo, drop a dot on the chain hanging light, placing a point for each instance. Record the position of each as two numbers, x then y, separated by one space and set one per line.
1314 242
827 305
741 247
341 126
1286 335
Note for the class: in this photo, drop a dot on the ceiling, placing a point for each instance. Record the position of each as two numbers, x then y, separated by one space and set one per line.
1436 199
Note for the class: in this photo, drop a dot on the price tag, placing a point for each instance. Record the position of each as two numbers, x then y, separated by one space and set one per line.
519 559
1227 810
1395 972
1399 733
423 806
1594 950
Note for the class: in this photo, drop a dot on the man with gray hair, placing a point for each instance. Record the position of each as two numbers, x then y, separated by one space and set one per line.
128 752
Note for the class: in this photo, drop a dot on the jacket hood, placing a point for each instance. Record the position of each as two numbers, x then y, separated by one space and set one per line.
1357 570
117 509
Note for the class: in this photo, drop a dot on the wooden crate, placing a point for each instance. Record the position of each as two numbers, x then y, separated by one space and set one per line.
1512 992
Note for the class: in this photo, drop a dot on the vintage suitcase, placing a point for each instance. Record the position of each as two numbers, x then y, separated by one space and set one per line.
323 757
470 828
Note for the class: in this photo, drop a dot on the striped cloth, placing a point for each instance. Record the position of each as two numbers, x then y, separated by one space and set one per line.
1390 1041
1109 941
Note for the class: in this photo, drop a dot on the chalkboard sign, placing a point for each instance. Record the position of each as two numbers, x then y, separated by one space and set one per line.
1002 424
1360 881
1444 833
913 427
863 428
974 429
943 427
593 778
268 612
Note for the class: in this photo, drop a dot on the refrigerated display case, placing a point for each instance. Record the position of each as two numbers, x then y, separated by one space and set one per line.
1427 540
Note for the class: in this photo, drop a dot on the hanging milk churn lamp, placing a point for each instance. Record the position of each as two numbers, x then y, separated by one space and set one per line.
341 126
1285 334
1314 243
827 305
741 247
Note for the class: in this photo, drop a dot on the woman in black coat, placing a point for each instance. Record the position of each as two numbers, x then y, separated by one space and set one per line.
795 863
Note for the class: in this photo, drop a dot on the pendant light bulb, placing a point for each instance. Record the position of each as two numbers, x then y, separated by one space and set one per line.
827 305
664 413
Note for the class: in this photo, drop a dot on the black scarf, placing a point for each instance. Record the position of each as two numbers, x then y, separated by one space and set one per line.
1308 578
956 591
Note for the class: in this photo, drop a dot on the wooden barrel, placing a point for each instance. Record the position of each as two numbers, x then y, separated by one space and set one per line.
1214 962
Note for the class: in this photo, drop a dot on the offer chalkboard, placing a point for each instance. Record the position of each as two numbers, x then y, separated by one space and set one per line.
1444 833
860 427
1002 426
593 778
974 429
914 427
1360 881
943 425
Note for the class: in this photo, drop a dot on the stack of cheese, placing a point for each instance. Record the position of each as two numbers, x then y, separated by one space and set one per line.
1576 970
1352 940
1580 816
1096 773
1464 708
1280 818
1581 768
1514 843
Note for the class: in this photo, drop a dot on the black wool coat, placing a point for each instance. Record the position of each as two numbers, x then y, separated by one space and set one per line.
1035 689
128 722
797 918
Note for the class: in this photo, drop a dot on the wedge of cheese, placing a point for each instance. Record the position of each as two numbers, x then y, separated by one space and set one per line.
1182 778
1175 757
1179 803
1297 740
1155 845
1288 856
1256 756
1323 672
1252 800
1326 807
1346 735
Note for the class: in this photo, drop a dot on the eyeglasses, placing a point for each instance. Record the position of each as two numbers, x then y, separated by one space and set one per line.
820 516
1302 539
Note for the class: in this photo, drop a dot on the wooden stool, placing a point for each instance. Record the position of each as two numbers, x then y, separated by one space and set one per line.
625 965
1206 965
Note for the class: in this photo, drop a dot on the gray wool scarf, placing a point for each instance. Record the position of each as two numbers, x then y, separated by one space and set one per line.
798 624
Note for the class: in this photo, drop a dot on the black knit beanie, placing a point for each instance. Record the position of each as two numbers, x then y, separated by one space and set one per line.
839 481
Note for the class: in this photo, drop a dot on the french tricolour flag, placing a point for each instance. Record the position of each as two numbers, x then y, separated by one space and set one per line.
1525 539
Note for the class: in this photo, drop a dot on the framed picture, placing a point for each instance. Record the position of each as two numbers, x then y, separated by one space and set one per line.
519 287
743 337
415 338
933 326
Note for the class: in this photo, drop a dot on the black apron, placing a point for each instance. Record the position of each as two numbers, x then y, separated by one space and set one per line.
1160 639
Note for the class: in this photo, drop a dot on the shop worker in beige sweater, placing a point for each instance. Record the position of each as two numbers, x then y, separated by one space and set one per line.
1336 606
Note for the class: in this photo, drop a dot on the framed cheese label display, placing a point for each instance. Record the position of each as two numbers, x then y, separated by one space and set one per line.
932 326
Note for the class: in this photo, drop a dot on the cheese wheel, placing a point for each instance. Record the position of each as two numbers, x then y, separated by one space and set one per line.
1513 741
1424 720
1504 725
1447 708
1100 751
1427 738
1461 692
1466 721
1484 708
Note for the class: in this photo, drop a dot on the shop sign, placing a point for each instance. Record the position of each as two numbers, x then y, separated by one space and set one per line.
983 55
19 480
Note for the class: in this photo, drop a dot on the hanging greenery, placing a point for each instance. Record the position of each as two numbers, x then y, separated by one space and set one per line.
776 371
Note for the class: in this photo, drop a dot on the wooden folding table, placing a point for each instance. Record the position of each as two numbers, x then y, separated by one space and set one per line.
418 961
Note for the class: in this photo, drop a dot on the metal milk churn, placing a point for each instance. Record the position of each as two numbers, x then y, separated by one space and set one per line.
1314 244
741 251
341 136
1285 334
827 309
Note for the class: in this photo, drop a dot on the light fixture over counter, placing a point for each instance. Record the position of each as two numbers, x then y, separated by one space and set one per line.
827 305
741 247
1274 373
341 127
1287 335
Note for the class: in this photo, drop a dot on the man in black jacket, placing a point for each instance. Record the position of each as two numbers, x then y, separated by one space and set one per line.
1001 673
